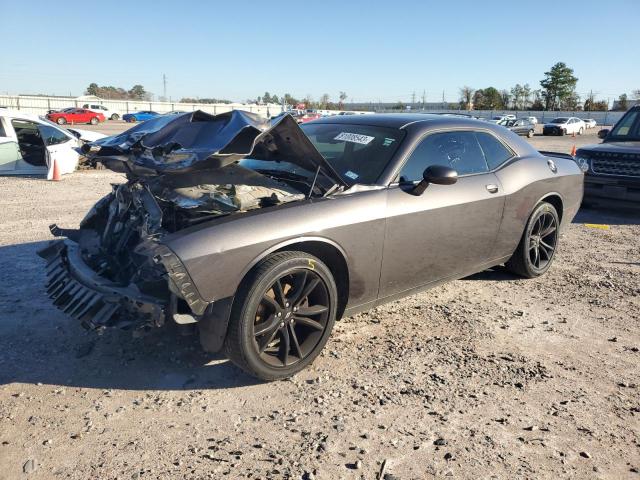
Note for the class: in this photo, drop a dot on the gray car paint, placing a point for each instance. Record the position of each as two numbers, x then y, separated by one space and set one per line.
448 232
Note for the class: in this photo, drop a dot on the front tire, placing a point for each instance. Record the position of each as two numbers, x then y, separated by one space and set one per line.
538 244
61 121
132 120
530 134
581 131
115 116
94 121
282 316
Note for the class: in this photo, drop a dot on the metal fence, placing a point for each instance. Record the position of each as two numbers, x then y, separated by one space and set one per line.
41 105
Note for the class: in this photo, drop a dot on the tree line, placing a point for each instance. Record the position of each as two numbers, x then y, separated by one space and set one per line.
323 103
557 92
137 92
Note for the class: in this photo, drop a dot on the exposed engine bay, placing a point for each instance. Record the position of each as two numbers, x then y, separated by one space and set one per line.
114 270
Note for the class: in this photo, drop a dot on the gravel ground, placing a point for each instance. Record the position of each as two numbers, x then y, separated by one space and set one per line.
486 377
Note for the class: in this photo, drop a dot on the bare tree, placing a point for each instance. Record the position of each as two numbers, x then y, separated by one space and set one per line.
343 97
466 97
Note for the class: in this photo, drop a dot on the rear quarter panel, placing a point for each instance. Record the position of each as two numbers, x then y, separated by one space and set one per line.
526 182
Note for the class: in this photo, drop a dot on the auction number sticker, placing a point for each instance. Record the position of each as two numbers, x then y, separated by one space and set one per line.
354 138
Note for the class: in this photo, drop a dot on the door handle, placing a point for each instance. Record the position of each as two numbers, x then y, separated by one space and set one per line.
491 188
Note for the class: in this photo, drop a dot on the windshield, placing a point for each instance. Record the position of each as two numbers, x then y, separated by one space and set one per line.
359 153
628 128
560 120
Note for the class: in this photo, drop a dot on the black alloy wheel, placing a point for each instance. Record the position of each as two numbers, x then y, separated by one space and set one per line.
282 316
538 244
291 317
543 240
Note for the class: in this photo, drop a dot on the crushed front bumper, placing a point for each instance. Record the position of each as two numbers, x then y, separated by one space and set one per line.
98 303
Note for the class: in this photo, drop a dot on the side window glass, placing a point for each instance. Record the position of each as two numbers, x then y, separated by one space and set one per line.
457 150
52 136
494 151
3 133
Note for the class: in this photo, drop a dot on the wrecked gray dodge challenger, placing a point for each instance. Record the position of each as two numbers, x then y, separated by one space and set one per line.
263 235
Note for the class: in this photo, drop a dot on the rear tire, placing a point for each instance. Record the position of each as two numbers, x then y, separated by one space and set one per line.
538 245
530 134
94 121
61 121
132 120
581 131
282 315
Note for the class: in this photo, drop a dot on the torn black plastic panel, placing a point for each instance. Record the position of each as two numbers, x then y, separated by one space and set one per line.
198 140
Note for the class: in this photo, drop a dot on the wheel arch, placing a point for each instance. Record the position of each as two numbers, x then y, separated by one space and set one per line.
554 199
331 254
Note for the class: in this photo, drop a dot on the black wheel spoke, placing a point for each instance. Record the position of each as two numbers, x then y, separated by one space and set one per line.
271 301
266 327
285 346
299 281
294 340
313 310
546 246
309 323
536 257
279 293
266 340
309 287
548 231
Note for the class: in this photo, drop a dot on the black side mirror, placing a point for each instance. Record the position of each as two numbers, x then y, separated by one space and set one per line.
603 133
438 175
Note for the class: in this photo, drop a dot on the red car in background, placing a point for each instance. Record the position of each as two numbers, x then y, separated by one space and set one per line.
308 116
75 115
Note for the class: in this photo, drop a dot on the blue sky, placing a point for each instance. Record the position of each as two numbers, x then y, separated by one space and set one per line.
374 51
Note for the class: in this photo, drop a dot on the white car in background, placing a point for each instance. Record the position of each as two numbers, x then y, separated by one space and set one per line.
564 126
502 119
30 145
590 122
108 114
533 120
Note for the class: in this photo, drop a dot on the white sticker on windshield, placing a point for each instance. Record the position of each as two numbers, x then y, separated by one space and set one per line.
351 175
354 138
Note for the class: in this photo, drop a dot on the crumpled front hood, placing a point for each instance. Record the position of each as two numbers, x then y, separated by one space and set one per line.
180 143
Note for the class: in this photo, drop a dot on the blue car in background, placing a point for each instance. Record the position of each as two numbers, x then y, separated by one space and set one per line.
139 116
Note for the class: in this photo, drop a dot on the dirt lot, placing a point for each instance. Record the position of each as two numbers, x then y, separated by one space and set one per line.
487 377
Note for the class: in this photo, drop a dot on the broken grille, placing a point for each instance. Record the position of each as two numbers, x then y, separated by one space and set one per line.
75 299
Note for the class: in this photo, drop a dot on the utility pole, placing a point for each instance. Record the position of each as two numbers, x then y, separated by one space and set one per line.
424 99
413 99
164 87
443 103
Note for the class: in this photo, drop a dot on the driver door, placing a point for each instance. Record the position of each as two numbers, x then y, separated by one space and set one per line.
449 230
59 149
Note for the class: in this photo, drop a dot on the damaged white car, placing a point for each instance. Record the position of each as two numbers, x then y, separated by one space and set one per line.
29 145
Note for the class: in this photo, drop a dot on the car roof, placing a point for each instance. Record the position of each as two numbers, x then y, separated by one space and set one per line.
399 120
19 114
